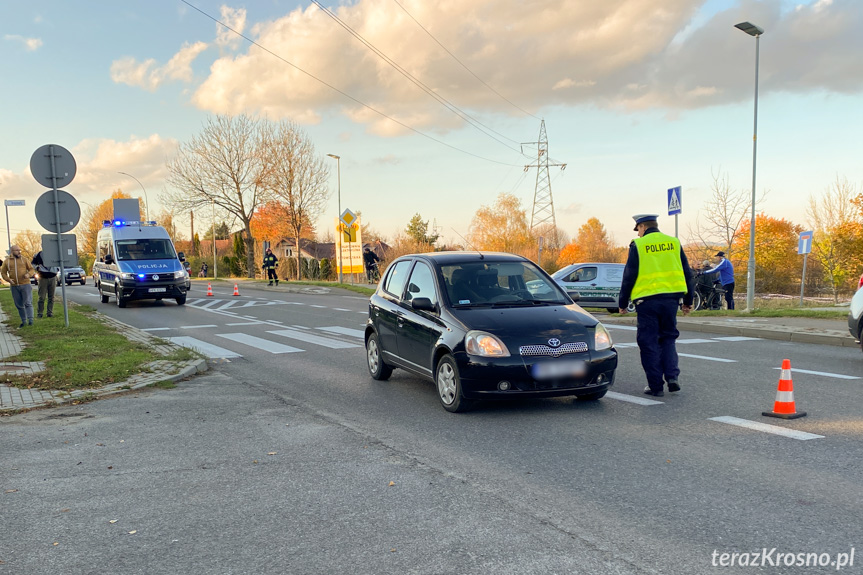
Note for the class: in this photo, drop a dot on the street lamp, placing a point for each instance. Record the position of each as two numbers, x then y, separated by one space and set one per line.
339 172
146 199
752 30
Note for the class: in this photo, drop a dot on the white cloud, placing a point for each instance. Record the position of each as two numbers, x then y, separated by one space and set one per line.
30 44
236 19
149 76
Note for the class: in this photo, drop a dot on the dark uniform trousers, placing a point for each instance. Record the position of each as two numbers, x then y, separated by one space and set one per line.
656 336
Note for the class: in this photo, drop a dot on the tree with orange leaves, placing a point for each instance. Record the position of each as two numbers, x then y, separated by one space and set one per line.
92 221
778 267
591 244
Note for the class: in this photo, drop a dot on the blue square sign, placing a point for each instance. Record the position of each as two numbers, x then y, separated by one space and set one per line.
675 201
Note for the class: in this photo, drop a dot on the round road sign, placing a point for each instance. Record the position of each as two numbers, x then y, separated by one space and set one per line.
70 211
64 166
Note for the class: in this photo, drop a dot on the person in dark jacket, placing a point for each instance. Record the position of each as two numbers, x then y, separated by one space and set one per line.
370 259
271 262
655 278
47 285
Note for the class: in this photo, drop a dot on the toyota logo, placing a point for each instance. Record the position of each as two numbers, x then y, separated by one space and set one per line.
554 342
156 277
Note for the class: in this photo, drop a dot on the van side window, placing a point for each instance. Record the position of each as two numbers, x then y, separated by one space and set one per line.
583 275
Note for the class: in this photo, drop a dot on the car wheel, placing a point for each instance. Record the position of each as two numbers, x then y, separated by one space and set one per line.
591 396
83 282
377 368
120 301
612 309
448 385
102 297
181 300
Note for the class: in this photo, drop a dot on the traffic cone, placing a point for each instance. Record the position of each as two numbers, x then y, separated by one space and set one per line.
236 289
209 289
784 406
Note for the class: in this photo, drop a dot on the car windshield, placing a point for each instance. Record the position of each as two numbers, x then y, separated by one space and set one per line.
483 284
145 249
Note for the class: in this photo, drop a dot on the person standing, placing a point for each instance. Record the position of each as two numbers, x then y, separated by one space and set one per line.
726 277
17 271
656 277
47 285
203 272
270 264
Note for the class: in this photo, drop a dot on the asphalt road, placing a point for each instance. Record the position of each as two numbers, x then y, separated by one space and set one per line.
281 461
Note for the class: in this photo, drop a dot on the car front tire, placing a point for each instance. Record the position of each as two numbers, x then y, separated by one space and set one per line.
120 301
181 300
448 383
377 368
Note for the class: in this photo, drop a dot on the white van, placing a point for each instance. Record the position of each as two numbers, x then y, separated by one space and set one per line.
597 284
137 261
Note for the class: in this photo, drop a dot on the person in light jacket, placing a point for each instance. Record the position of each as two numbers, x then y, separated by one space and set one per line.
17 271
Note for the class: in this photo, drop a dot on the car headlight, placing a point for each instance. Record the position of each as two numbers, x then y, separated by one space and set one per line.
126 276
181 274
601 338
484 344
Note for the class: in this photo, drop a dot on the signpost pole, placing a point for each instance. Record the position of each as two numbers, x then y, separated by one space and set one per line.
803 281
8 231
62 277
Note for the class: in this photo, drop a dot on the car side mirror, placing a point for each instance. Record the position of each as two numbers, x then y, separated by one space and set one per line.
423 304
574 295
181 256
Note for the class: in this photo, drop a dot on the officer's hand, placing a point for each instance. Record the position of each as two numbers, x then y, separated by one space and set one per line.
623 311
686 309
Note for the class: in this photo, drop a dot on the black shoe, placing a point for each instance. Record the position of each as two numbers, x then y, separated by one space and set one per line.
50 315
673 385
270 284
40 316
277 284
22 325
649 391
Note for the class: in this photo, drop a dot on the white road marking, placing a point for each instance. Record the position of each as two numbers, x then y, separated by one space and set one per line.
158 329
694 341
824 373
341 309
319 306
766 428
624 327
259 343
619 345
196 326
708 358
204 348
210 303
344 331
313 339
737 338
632 398
228 304
301 326
245 323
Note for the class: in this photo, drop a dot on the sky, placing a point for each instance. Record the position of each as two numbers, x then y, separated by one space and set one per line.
637 97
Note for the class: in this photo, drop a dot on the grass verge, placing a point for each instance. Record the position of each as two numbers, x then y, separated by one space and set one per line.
87 354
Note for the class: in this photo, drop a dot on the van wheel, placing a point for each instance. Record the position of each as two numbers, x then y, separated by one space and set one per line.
181 300
120 301
102 297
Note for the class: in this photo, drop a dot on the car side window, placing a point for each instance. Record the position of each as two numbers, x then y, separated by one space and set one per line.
583 275
395 282
421 284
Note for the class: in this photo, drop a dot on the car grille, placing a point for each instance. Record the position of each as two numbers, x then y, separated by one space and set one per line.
576 347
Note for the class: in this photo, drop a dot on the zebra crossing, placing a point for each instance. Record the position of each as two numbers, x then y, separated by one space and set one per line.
330 337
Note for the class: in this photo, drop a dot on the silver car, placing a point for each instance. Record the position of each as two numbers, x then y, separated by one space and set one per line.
596 284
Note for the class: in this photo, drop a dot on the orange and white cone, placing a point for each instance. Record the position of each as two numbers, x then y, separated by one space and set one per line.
784 406
236 289
209 289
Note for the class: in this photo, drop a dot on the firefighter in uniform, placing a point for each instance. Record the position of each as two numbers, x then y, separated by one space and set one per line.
656 276
270 264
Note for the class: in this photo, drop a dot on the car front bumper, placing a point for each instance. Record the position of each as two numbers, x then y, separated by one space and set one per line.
131 290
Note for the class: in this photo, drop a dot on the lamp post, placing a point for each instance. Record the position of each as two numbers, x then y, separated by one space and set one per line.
339 172
752 30
146 199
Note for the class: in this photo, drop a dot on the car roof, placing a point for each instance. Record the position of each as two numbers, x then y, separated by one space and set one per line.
451 258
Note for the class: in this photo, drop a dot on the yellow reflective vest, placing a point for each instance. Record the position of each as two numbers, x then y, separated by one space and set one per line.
660 269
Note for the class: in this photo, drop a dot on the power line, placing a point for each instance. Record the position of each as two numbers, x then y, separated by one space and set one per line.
333 88
504 98
417 82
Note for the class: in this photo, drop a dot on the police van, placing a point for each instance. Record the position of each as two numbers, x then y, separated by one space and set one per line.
136 260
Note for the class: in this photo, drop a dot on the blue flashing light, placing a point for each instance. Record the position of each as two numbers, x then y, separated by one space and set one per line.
118 223
142 276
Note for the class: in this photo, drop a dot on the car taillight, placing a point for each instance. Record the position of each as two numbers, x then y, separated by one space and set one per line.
860 283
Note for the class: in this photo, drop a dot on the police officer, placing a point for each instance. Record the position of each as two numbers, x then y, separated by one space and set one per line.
270 264
656 276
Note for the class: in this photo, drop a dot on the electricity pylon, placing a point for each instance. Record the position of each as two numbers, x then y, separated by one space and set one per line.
543 203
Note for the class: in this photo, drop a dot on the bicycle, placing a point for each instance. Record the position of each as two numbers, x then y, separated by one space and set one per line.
708 296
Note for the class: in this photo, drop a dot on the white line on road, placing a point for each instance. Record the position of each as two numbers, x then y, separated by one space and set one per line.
344 331
695 341
259 343
341 309
824 373
245 323
320 306
708 358
313 339
737 338
766 428
624 327
202 347
196 326
157 329
632 398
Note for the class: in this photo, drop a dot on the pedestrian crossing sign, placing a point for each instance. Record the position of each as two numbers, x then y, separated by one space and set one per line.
675 201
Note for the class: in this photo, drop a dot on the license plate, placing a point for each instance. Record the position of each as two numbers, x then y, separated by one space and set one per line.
157 290
559 369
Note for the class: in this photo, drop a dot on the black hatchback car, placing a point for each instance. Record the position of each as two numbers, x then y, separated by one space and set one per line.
468 322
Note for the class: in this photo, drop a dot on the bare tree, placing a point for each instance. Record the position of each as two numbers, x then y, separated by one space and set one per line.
298 177
225 165
720 220
829 215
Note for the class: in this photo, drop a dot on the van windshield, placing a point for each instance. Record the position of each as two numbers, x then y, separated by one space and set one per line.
145 249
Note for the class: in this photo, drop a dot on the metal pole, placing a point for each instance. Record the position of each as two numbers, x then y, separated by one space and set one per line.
676 235
750 275
215 261
8 231
146 198
803 281
62 275
338 160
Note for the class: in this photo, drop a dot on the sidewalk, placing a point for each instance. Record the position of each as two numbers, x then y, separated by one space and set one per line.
14 398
